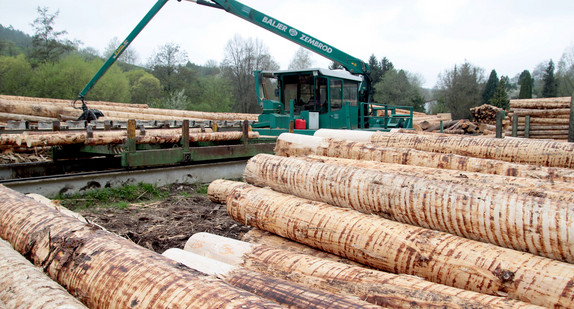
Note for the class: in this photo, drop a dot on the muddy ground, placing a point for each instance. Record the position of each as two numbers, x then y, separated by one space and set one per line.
166 224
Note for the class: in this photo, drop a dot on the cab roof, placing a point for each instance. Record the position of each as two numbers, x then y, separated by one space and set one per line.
325 72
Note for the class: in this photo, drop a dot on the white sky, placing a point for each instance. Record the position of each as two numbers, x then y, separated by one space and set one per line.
425 37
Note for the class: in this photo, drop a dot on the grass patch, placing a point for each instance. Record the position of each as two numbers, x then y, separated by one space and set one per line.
113 197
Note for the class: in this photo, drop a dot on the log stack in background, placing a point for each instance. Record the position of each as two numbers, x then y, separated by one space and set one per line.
549 117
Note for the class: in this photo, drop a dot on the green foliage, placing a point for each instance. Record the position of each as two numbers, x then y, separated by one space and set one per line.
490 87
215 95
437 107
112 197
15 75
396 89
48 46
460 89
500 97
550 88
526 83
144 87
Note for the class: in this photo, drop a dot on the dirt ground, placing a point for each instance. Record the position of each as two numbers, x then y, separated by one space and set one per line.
166 224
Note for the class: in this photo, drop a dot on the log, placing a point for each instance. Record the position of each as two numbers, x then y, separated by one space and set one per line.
400 248
541 112
485 113
68 102
257 236
105 271
541 103
556 190
381 288
287 293
26 286
545 153
11 116
537 225
301 145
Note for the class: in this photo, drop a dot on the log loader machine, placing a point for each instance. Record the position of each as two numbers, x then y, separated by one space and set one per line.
299 101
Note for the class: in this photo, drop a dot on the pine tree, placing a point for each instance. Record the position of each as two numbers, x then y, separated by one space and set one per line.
490 87
550 89
500 97
526 83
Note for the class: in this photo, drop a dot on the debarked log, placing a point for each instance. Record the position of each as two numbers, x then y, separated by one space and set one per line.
106 271
400 248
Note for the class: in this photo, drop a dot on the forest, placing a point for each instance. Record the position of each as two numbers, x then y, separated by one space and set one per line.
47 64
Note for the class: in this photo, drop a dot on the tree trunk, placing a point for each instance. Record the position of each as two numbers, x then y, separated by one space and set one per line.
404 249
26 286
287 293
541 112
299 145
10 116
381 288
546 153
532 224
104 270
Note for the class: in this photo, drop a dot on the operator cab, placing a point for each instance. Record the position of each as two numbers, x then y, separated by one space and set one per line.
329 96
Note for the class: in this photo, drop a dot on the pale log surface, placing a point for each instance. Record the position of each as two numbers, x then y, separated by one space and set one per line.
400 248
381 288
545 153
104 270
288 145
24 285
532 224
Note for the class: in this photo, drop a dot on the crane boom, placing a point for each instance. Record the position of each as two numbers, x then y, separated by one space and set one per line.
350 63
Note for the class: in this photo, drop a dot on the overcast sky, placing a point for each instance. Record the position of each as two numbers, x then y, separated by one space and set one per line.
425 37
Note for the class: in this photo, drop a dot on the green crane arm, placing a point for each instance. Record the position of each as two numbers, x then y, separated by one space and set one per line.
350 63
118 52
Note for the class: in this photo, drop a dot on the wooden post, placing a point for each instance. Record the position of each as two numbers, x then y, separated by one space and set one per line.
185 135
527 126
514 125
499 119
571 126
131 135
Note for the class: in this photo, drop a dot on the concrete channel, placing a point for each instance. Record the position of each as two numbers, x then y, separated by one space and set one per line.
200 173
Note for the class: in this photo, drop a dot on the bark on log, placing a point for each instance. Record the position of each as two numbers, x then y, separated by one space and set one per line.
540 103
11 116
287 293
26 286
545 153
531 224
542 112
257 236
68 102
381 288
104 270
300 145
556 190
400 248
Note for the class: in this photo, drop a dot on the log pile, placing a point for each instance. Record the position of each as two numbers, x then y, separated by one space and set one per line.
549 118
485 114
477 220
40 109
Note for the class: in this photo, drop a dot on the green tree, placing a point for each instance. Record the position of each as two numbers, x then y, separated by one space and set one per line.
166 63
15 75
526 83
500 97
490 87
460 89
376 69
395 88
215 96
48 44
144 87
550 88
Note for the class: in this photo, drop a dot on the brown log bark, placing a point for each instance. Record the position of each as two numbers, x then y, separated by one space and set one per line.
400 248
26 286
381 288
104 270
11 116
257 236
546 153
287 145
68 102
541 103
542 112
531 224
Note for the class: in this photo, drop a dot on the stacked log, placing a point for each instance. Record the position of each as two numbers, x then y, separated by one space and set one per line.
105 271
549 117
378 287
400 248
52 109
299 145
485 113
